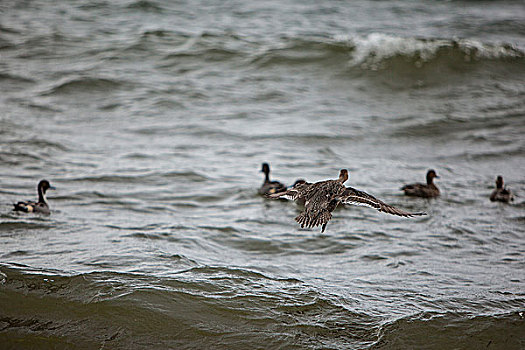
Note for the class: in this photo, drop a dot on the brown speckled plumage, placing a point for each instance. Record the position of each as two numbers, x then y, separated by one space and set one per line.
321 199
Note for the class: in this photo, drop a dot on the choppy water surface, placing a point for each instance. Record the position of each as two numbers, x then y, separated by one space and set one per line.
152 119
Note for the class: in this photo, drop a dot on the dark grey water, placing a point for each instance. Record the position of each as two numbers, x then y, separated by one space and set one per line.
152 119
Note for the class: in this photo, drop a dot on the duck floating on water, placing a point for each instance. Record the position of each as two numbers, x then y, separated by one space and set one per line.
270 187
500 193
321 199
36 207
427 190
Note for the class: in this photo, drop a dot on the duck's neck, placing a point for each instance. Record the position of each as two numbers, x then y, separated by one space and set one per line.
430 180
266 176
41 196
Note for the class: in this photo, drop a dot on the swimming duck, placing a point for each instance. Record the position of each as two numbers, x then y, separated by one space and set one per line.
270 187
501 194
421 190
36 207
321 199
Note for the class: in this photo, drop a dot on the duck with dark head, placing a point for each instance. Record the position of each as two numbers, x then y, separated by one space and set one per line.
36 207
500 193
427 190
269 187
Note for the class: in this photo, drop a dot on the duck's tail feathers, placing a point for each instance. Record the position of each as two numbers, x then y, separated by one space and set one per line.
20 206
307 220
302 219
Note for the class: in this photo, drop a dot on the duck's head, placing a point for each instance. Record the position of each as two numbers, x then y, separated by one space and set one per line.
298 182
343 175
44 185
431 174
499 182
265 168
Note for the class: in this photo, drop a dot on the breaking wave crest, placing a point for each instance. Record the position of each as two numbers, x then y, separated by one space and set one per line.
379 51
376 50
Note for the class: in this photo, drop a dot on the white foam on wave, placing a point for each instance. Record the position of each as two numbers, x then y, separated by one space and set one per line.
372 50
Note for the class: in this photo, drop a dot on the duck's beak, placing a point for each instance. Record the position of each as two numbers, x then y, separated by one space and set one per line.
52 188
437 177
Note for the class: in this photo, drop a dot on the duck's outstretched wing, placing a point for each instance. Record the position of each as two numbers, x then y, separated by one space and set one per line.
294 193
356 197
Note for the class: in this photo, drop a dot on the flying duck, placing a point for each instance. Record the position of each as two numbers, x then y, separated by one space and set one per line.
421 190
270 187
321 199
36 207
500 193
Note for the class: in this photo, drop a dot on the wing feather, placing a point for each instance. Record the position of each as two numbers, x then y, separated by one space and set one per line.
293 193
356 197
290 194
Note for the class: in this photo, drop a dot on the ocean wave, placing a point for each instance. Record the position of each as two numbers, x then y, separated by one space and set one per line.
378 51
295 51
210 305
220 304
40 144
145 6
11 78
9 227
453 330
8 30
479 128
375 50
85 85
209 47
19 157
141 177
